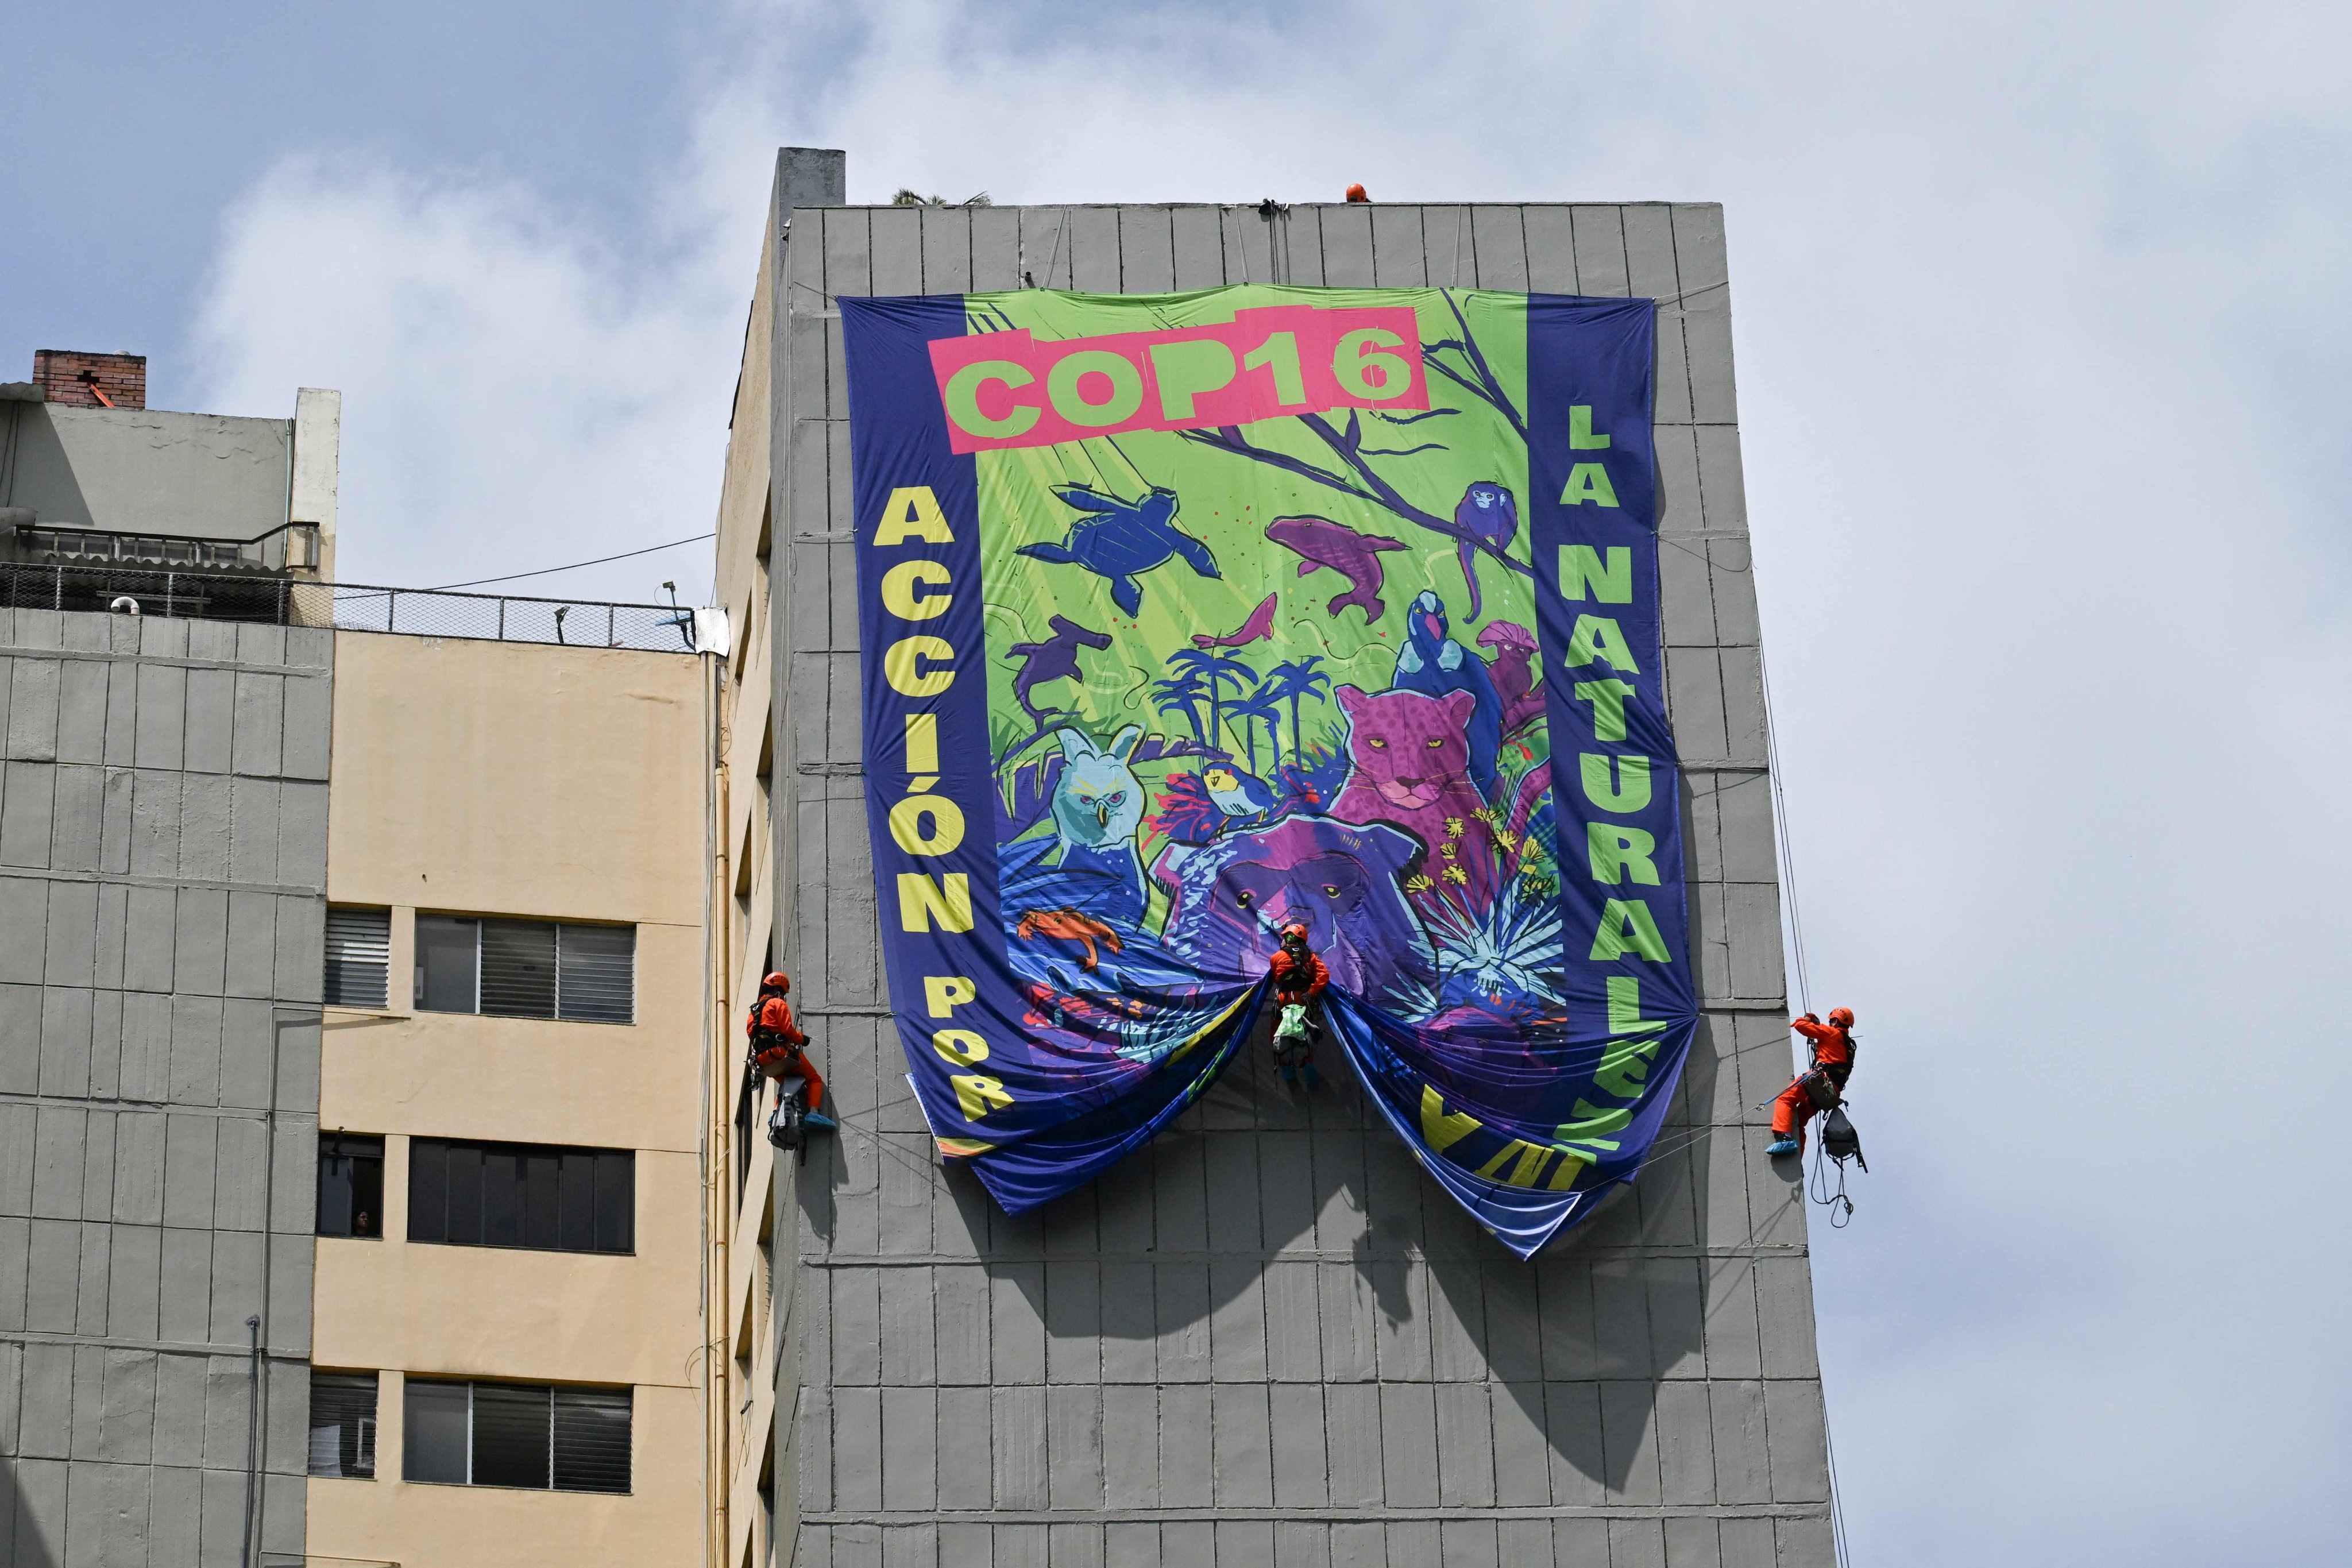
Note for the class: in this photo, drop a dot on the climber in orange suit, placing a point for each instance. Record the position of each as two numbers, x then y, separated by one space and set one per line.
1832 1045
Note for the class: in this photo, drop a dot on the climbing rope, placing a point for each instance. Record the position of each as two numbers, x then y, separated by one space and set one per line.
1838 1542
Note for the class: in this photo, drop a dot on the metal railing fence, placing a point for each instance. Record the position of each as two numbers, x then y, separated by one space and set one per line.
347 607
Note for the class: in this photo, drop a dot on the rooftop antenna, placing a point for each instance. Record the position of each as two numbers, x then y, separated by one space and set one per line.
680 618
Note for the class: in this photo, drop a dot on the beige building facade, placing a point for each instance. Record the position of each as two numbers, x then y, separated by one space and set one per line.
522 788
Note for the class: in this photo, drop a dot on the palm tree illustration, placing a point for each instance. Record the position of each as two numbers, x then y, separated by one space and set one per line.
1215 672
1293 681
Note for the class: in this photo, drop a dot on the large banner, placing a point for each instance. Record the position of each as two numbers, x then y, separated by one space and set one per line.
1187 617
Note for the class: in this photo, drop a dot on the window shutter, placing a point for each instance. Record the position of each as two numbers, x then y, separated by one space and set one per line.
510 1434
591 1440
519 969
343 1424
359 957
598 970
433 1447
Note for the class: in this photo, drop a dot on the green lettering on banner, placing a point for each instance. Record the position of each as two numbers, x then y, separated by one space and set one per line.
1597 639
1126 388
1581 566
1279 355
1620 854
1355 359
1591 1121
1628 927
1624 1067
1626 1007
1580 438
1588 484
1187 368
1628 793
961 395
1608 700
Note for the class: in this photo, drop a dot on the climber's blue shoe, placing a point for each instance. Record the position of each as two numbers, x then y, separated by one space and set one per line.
818 1122
1784 1144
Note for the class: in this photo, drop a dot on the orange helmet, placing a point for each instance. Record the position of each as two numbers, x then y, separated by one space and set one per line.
1294 928
780 983
1356 193
1842 1016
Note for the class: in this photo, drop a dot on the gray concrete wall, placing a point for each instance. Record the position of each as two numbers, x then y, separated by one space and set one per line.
146 470
163 879
1269 1338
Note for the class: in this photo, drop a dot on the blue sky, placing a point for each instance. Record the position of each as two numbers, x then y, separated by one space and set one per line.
2043 375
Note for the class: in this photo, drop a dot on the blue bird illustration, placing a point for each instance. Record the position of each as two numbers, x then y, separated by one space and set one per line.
1432 663
1119 539
1235 792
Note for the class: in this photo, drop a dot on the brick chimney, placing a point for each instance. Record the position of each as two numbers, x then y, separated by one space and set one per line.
90 381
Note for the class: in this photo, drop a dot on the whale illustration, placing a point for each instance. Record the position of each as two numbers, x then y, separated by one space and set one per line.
1319 542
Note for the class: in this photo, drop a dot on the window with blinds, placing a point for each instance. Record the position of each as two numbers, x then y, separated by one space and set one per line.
521 1194
524 1435
343 1424
526 969
359 957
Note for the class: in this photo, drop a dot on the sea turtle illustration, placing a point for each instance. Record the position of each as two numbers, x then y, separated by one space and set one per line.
1119 539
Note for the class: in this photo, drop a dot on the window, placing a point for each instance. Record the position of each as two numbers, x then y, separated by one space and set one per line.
517 1435
521 1194
747 1126
526 969
351 1185
359 957
343 1424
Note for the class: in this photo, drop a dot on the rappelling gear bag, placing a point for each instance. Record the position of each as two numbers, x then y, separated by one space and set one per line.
1840 1142
1292 1023
788 1123
1822 1088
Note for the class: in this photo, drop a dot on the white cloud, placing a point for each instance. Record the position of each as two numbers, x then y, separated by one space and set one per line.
515 396
2043 394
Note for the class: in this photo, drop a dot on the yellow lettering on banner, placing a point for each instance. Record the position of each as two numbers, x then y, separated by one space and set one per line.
1532 1159
943 993
961 1047
913 513
1571 1164
1441 1128
977 1095
902 589
922 899
902 666
923 744
946 825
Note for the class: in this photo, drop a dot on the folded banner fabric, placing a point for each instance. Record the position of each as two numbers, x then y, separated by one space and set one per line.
1186 618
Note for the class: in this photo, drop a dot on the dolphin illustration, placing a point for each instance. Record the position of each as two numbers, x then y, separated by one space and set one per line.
1319 542
1259 625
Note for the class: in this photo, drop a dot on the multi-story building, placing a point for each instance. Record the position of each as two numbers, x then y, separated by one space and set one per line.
355 1027
1266 1339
